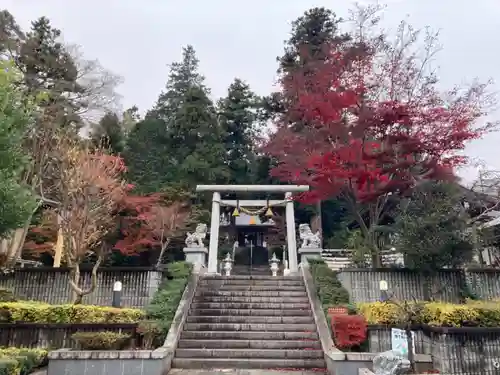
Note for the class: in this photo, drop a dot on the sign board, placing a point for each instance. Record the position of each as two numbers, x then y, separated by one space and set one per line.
399 341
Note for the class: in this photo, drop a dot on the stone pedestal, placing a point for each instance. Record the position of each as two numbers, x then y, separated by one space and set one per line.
306 253
197 256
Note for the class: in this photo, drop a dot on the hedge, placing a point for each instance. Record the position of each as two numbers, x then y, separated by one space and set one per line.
163 306
20 361
37 312
471 314
330 291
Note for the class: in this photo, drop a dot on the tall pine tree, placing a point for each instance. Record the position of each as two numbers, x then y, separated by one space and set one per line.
109 133
238 118
310 35
180 143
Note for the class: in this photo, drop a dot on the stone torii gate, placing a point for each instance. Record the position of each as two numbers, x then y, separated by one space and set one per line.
217 202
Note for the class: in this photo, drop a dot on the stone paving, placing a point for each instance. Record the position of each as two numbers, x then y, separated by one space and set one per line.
241 372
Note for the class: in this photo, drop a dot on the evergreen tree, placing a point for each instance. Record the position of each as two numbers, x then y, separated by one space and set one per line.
16 201
49 68
238 118
109 133
310 35
180 143
182 76
197 140
146 156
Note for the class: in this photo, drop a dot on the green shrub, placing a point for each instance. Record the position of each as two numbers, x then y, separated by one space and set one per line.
179 270
473 313
21 361
37 312
330 291
150 330
9 366
6 295
164 304
105 340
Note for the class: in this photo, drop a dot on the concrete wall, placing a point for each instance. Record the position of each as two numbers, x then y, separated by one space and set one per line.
356 361
446 285
51 285
109 362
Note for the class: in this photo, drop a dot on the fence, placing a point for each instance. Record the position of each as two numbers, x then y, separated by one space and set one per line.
450 285
460 351
36 335
51 285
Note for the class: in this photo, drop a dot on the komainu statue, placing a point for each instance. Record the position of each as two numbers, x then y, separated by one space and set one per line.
309 239
196 239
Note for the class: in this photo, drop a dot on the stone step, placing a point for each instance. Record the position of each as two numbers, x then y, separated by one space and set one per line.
252 293
248 353
252 277
251 319
246 363
251 282
248 335
251 299
250 344
246 287
256 305
277 327
249 312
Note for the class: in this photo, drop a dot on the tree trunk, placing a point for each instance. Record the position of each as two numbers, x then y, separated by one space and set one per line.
317 222
162 252
79 293
12 246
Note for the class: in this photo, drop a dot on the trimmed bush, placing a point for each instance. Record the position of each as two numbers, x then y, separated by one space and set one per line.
105 340
164 304
9 366
471 314
6 295
21 361
36 312
330 291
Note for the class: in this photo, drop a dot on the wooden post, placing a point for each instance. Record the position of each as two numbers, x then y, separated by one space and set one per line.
58 249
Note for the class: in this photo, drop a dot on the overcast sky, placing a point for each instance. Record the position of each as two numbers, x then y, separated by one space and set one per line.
137 39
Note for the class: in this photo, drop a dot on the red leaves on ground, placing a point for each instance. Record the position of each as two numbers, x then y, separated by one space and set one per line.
348 330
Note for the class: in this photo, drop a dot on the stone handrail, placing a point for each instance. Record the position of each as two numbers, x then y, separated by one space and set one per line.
331 353
170 344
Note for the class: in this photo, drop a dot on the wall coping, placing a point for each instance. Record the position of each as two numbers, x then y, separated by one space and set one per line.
330 351
70 354
365 356
408 270
174 332
46 269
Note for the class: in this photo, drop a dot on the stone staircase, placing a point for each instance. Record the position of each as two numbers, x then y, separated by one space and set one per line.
250 322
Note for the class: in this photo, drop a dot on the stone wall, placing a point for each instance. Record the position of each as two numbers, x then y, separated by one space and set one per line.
51 285
447 285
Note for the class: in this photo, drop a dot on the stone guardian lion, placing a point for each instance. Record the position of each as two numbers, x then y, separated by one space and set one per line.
309 239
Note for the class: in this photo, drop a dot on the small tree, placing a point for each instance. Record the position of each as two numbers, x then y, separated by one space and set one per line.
151 223
90 187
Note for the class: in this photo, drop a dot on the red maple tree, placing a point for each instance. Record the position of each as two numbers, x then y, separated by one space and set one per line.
366 123
149 222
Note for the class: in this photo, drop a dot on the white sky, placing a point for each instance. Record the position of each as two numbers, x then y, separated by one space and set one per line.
137 39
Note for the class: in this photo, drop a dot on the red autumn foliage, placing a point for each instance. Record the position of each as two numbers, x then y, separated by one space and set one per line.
335 138
41 238
368 121
348 330
147 222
